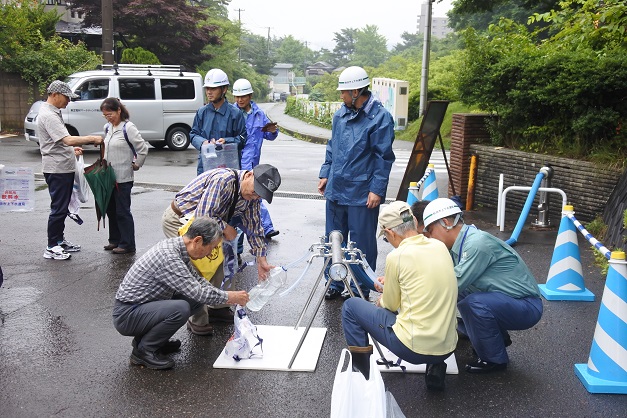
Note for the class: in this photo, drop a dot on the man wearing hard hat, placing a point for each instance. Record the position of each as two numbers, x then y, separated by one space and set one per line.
355 173
258 128
497 292
217 122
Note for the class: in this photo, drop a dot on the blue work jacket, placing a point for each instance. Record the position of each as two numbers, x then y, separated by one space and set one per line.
255 121
359 154
226 122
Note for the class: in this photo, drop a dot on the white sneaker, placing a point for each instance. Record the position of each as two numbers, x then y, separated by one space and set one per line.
56 253
69 247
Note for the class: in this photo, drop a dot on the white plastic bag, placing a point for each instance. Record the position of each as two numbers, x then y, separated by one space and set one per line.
393 410
81 187
243 342
353 395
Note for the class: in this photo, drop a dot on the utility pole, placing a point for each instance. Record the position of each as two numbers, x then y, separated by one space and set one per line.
107 31
425 60
239 20
268 40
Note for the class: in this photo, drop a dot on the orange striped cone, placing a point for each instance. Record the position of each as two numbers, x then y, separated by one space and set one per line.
606 371
565 278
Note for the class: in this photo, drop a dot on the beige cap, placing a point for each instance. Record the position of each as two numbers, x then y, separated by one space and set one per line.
393 215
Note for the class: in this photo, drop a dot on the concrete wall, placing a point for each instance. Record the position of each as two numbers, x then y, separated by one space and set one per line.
16 97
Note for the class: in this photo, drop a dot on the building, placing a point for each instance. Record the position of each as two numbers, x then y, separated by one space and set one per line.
285 81
439 25
319 68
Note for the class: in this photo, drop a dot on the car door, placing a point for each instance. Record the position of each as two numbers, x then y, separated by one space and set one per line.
139 97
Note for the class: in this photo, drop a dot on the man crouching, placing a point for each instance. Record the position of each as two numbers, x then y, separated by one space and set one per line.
162 289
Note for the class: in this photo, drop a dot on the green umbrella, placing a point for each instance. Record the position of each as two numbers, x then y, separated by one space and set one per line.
101 179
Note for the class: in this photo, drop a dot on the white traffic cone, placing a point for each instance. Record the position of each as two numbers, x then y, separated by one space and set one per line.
565 278
606 371
430 187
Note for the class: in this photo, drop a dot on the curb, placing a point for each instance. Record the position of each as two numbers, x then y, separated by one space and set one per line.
304 137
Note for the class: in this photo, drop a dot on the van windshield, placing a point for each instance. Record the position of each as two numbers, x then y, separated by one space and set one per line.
72 82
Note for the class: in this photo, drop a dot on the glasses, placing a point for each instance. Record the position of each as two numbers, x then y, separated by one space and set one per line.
385 236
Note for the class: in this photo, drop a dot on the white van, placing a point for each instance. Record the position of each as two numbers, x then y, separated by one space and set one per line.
161 99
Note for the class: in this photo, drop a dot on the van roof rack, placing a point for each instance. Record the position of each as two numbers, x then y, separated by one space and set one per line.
143 68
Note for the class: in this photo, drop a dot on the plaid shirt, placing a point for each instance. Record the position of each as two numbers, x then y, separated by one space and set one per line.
164 270
211 193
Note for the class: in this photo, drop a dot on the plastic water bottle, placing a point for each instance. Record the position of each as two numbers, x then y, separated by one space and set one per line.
260 294
209 156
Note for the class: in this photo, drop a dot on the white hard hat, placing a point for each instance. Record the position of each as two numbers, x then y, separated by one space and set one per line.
242 87
353 78
438 209
216 78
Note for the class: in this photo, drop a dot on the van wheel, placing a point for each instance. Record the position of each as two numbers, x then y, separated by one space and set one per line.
158 144
177 138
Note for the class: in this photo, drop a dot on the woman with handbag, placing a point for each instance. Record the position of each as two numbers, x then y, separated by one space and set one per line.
125 151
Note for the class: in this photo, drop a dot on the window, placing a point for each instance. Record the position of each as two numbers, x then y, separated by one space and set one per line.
403 90
137 88
172 89
93 90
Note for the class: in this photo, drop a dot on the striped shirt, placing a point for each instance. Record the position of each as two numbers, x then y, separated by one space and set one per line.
211 194
164 270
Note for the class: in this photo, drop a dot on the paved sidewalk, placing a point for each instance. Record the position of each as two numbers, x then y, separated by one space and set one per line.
295 127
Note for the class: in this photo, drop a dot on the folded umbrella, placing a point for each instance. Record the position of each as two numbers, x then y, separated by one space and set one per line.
101 179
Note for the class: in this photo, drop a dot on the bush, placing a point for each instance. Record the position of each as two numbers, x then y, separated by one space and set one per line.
139 55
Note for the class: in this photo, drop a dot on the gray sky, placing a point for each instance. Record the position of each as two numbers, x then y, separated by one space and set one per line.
316 22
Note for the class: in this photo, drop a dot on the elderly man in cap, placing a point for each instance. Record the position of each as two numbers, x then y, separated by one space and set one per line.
162 289
232 198
416 317
58 150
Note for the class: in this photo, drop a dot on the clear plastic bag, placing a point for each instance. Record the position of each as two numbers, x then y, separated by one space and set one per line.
245 340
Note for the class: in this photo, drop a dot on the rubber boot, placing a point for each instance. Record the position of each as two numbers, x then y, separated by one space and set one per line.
434 376
361 359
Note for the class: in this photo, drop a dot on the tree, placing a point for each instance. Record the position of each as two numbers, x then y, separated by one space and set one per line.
138 56
370 47
173 30
29 46
256 52
292 51
410 40
344 46
479 14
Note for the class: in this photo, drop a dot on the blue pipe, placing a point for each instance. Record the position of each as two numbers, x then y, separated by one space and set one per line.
525 212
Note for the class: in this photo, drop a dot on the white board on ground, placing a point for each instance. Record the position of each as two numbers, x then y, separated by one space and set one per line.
279 344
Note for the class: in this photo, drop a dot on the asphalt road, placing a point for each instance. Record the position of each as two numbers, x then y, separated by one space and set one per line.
61 356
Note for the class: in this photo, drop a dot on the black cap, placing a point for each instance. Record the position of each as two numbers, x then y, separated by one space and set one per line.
267 181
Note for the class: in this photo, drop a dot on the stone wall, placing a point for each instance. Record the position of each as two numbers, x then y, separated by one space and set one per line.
587 186
16 97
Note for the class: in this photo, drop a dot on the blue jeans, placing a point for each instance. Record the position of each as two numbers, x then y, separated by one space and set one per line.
487 316
60 188
358 224
360 318
153 323
121 224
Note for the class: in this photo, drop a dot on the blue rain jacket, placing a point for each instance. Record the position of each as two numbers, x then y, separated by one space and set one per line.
255 121
226 122
359 154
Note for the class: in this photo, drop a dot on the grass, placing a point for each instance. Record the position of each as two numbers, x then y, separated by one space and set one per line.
411 132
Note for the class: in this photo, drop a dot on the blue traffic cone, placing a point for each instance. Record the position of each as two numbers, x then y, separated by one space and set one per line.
412 196
606 371
430 190
565 279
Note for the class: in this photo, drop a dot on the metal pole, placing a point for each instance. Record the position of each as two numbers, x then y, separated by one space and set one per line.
107 32
425 61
